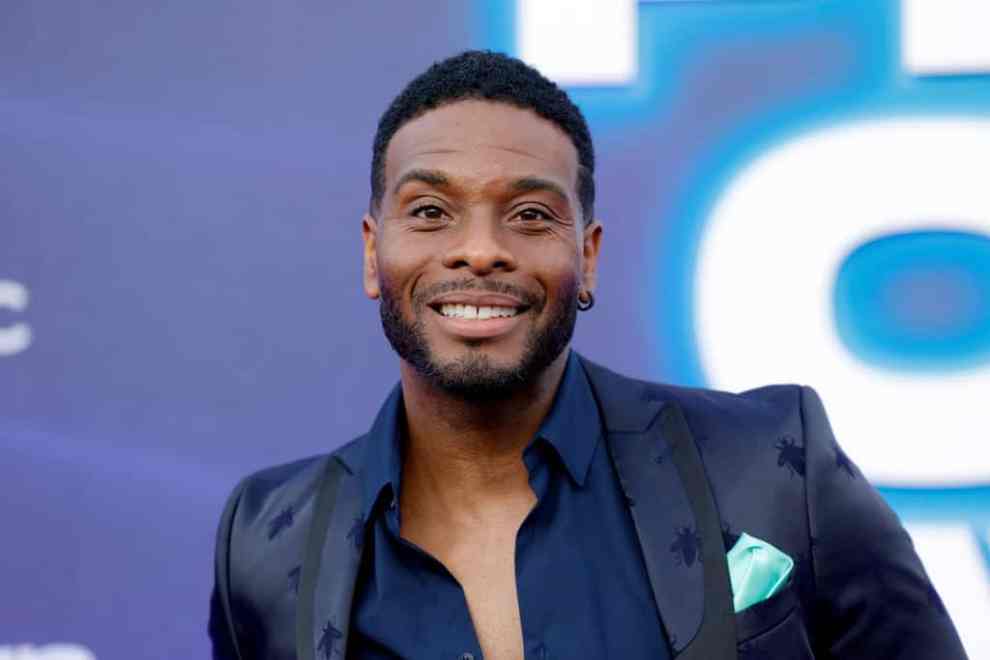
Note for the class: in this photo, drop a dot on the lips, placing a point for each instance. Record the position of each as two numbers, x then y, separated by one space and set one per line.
477 316
477 312
471 309
478 299
477 328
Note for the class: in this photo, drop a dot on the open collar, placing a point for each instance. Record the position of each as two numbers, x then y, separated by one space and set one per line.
572 428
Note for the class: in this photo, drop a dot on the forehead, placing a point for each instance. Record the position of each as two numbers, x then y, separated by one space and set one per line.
483 140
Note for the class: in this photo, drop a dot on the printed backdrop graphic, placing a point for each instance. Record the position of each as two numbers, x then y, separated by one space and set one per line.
791 191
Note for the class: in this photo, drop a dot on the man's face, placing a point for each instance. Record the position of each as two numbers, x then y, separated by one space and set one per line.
479 248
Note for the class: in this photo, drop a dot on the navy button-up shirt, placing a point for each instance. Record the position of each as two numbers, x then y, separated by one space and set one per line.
580 577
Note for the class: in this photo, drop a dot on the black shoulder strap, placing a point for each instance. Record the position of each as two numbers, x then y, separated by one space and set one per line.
326 499
221 568
716 640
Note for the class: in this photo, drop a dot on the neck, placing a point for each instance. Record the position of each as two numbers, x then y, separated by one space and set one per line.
464 452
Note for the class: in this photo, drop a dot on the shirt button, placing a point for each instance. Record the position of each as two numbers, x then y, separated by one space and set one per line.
467 656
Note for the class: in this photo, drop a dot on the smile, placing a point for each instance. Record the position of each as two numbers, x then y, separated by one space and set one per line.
477 312
477 322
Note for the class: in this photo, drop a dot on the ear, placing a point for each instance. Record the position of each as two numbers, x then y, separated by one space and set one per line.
369 233
592 243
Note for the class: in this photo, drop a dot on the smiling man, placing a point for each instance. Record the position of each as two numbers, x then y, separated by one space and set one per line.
513 500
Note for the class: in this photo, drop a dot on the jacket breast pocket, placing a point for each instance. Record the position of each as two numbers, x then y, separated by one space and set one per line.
774 628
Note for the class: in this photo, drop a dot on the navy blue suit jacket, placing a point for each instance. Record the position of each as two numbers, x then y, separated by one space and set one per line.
858 589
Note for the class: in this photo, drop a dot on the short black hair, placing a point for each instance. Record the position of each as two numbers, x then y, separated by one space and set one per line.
486 75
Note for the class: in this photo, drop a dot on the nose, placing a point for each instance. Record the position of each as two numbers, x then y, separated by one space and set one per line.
480 247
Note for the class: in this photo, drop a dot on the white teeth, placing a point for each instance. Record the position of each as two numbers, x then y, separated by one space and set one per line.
474 312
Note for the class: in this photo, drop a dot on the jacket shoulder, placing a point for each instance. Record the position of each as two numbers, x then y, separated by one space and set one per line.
766 401
286 486
766 407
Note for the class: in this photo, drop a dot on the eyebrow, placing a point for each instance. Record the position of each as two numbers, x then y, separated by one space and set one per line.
431 177
536 184
523 185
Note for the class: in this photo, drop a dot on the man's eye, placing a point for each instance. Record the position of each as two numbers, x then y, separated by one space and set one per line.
533 215
428 212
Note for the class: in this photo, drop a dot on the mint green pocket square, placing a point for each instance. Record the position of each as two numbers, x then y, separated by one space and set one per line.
757 571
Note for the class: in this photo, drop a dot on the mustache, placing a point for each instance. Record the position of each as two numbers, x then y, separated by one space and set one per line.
426 294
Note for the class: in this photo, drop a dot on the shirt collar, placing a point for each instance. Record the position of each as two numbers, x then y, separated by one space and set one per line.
383 450
572 428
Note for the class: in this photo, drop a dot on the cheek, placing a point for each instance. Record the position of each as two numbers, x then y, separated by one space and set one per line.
554 268
560 290
399 266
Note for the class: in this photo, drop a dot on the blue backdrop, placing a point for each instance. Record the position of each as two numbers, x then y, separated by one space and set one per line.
180 299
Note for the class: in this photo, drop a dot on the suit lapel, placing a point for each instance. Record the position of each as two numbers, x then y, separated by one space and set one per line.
677 526
330 566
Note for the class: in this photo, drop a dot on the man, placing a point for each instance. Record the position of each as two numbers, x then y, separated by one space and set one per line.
513 500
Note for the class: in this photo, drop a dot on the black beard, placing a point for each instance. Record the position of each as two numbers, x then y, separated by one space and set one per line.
474 377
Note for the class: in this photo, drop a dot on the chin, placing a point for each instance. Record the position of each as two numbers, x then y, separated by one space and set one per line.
481 369
477 374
